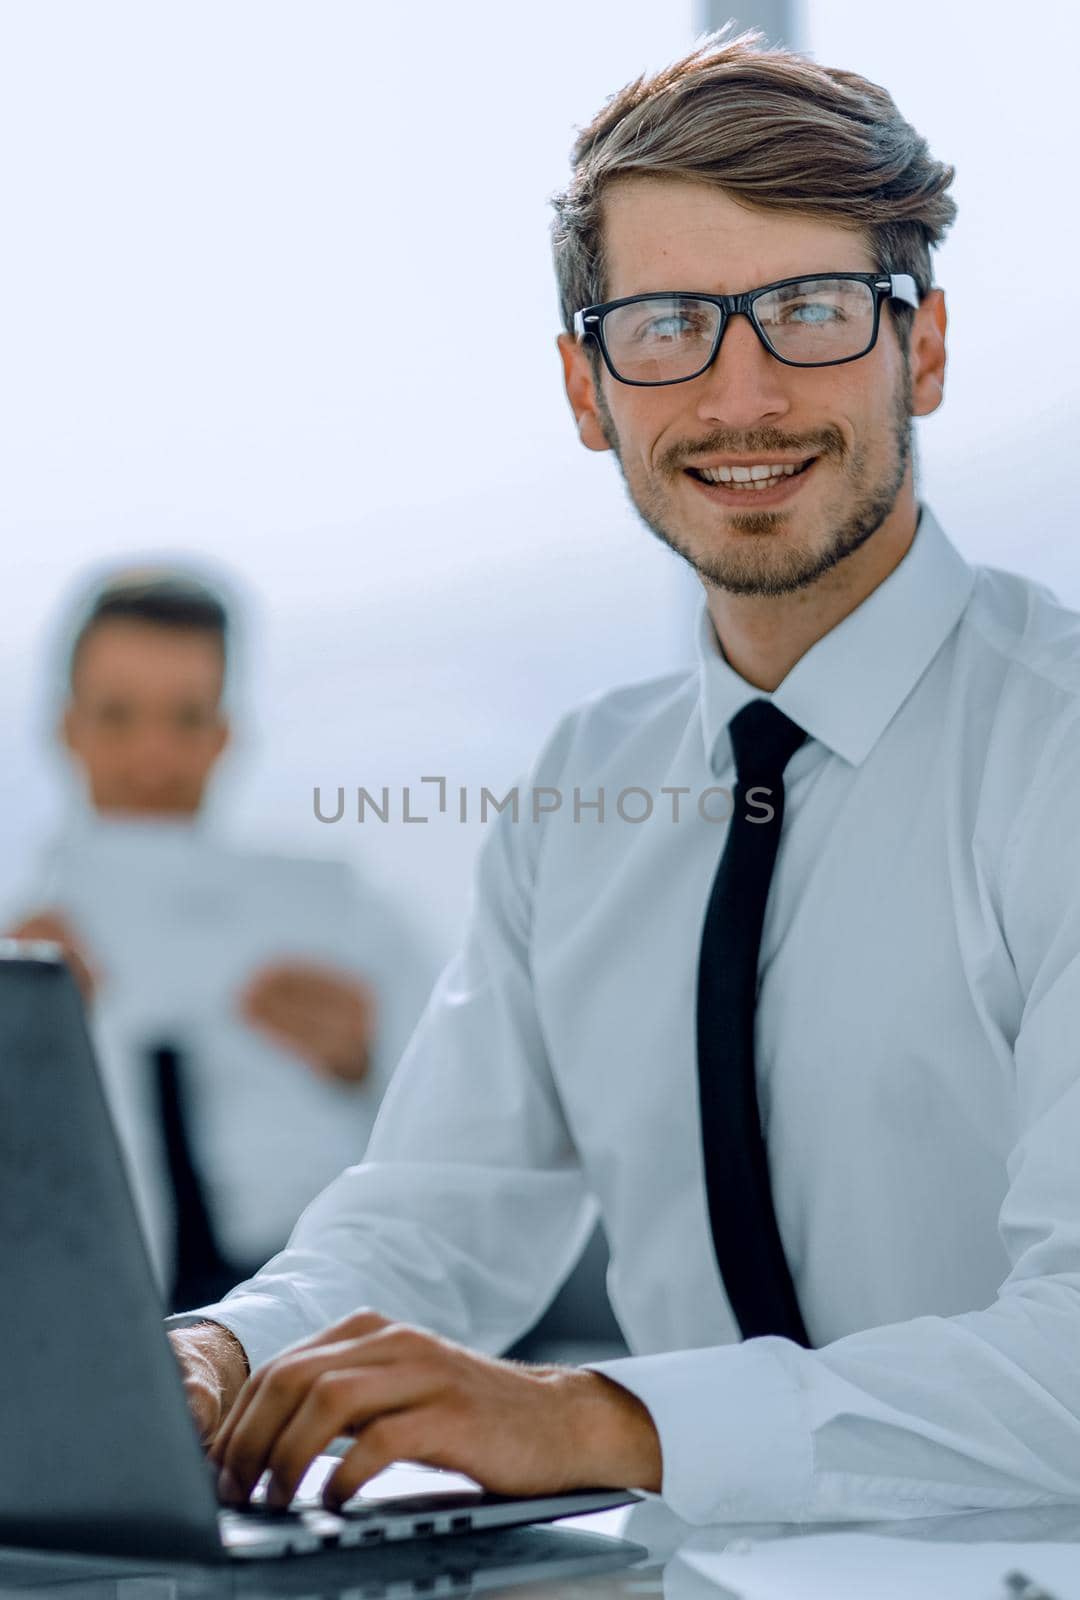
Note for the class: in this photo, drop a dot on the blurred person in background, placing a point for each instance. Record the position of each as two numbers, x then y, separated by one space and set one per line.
248 1007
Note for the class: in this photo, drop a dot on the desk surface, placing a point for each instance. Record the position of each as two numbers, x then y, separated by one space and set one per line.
667 1559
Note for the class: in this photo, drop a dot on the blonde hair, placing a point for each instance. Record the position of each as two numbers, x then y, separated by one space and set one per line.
774 130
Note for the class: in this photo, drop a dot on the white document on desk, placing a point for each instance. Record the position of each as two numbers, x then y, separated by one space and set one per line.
854 1566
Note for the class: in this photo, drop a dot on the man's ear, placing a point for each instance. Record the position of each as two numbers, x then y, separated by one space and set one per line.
66 731
222 736
927 357
581 392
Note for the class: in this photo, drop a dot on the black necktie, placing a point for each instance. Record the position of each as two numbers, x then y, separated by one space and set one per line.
201 1274
745 1235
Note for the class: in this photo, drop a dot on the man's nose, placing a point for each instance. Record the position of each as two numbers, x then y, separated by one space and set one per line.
154 750
744 383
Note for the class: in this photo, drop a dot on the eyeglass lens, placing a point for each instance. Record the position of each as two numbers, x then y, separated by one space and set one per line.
816 320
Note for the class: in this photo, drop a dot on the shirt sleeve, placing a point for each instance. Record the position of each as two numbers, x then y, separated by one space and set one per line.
470 1206
390 951
937 1414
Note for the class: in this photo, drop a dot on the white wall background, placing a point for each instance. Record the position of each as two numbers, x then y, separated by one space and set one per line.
215 213
211 210
992 86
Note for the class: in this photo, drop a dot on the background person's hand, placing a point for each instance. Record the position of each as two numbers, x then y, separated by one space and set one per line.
327 1017
52 926
213 1368
408 1395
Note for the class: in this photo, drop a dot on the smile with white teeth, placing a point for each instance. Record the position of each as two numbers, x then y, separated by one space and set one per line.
755 477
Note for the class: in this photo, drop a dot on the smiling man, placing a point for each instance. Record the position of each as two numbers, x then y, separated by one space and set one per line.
784 973
784 473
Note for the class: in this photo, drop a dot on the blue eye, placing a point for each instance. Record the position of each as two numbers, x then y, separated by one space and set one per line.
669 327
817 313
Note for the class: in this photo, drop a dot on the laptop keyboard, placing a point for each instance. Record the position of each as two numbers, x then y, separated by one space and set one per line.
258 1530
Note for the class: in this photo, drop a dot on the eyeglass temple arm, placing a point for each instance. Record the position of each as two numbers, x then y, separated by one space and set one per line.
902 286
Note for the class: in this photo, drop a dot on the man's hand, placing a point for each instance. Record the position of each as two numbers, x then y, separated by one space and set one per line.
52 926
213 1367
325 1016
408 1395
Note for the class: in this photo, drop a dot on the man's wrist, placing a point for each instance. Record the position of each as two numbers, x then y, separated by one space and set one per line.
219 1347
612 1434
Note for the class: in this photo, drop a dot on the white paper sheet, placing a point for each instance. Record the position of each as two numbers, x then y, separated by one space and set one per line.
177 922
853 1566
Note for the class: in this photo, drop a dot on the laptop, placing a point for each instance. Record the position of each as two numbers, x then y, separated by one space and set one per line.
98 1452
495 1563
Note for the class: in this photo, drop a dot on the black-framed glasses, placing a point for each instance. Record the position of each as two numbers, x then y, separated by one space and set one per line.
814 321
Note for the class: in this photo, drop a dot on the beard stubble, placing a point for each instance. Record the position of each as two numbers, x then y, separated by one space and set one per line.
755 567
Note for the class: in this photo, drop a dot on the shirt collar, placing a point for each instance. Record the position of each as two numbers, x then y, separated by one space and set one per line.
848 686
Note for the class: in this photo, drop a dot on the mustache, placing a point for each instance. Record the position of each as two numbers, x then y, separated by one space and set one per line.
827 442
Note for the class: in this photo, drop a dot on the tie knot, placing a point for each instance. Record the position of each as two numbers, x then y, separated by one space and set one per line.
763 739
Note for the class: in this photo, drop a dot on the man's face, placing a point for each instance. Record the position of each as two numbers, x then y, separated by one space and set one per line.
670 234
144 720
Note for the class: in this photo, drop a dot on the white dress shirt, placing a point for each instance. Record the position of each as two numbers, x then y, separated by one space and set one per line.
918 1062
